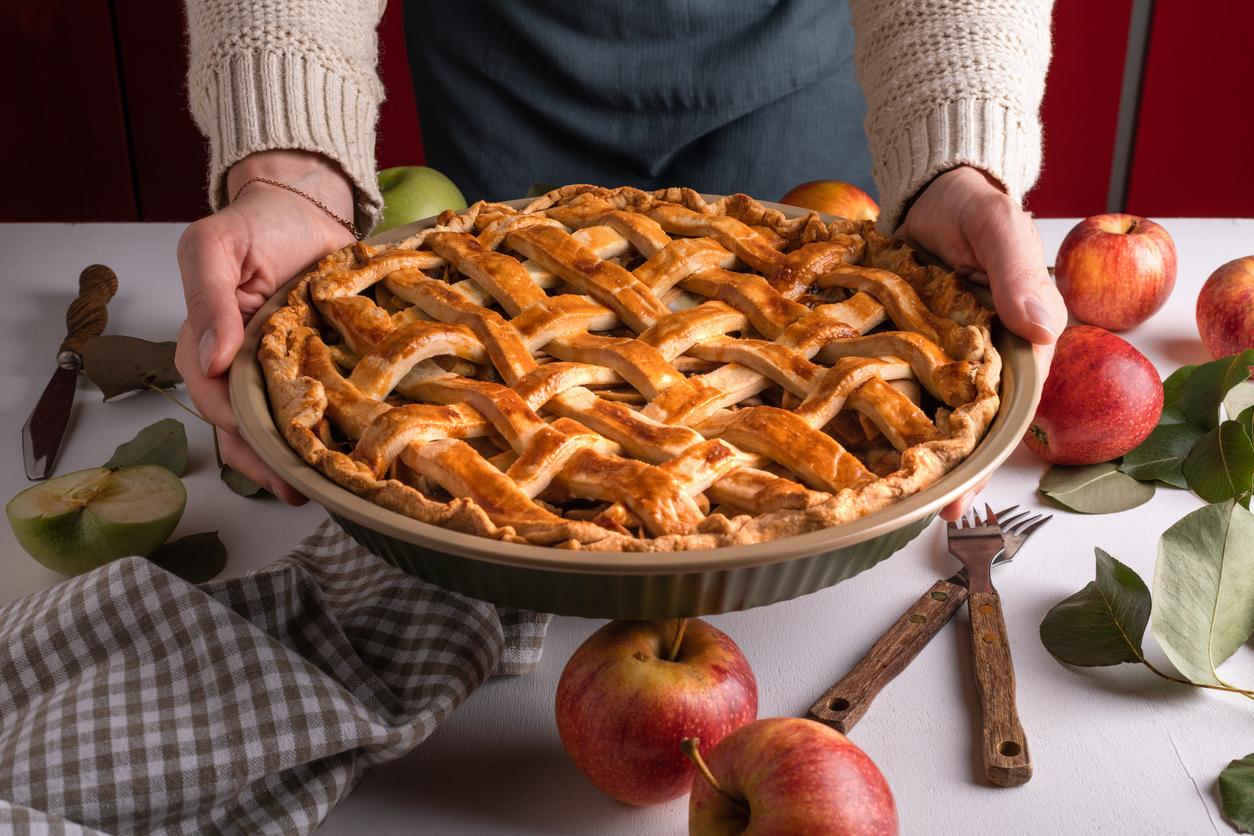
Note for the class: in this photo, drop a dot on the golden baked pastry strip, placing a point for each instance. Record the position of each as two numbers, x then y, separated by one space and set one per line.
689 441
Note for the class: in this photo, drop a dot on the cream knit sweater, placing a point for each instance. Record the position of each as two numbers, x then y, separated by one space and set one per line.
947 82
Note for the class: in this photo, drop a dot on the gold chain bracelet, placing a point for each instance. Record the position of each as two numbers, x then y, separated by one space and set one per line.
344 222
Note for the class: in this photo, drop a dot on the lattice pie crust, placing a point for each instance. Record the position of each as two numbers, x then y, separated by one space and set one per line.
616 369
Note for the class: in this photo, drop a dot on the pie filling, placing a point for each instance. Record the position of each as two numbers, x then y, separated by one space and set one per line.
625 370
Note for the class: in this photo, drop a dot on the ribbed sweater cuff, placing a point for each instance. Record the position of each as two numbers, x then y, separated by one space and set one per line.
983 134
262 101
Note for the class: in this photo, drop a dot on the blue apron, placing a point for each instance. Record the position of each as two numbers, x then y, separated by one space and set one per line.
724 96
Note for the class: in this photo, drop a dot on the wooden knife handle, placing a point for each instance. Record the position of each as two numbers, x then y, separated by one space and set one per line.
843 705
87 315
1005 746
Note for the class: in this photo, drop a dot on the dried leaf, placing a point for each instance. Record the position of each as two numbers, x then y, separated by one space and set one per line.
1208 386
1246 419
1161 455
1221 463
1239 399
236 481
118 364
195 558
163 443
1236 793
1103 623
240 483
1095 488
1203 586
1172 384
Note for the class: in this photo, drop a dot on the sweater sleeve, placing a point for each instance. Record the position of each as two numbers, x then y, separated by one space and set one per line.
948 83
287 74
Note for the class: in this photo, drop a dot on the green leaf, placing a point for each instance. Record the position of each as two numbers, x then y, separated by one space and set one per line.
1236 793
1221 464
1103 623
1240 399
1246 419
163 443
1172 414
119 364
1205 389
1095 488
1174 382
195 558
1203 589
239 483
1161 455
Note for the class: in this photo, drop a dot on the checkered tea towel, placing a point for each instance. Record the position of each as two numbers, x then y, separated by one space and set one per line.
134 702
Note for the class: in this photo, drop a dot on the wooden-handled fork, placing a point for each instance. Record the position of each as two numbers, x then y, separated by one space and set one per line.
1005 746
844 704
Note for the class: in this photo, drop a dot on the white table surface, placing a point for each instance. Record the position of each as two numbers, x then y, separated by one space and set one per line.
1115 750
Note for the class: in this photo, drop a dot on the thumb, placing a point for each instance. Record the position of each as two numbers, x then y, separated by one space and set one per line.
211 274
1025 297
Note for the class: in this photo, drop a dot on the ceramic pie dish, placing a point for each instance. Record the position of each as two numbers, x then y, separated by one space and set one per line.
637 582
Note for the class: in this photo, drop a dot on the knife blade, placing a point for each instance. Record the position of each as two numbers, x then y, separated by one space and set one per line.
86 318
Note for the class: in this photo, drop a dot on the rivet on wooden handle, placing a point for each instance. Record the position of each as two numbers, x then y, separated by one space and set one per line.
1004 745
843 705
88 315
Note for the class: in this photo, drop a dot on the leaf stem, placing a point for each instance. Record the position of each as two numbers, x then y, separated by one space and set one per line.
163 393
1232 689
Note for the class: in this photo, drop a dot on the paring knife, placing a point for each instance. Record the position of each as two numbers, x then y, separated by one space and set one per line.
86 318
844 704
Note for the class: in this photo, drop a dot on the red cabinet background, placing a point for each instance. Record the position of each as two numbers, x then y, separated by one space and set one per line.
63 149
1081 107
98 128
1194 148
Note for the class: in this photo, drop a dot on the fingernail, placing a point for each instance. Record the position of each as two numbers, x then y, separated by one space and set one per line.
208 349
1039 316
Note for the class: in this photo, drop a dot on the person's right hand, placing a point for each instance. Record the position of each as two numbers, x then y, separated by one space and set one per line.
234 260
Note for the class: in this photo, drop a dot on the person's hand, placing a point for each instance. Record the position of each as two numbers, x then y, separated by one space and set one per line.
233 261
964 218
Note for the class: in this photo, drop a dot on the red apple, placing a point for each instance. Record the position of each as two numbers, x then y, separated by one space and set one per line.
630 693
1101 399
784 776
1115 270
834 197
1225 308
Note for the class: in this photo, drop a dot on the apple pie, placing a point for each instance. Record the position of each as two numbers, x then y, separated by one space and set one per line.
616 369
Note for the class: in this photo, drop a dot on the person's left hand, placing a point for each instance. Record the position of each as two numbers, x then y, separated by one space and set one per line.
964 218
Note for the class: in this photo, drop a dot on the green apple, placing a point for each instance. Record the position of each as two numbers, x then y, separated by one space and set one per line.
414 192
82 520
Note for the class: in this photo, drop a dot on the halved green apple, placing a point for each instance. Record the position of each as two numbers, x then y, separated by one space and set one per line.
82 520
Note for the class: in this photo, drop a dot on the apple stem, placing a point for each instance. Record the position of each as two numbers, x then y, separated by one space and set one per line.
689 745
677 640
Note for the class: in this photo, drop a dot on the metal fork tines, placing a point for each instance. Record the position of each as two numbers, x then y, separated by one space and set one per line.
976 542
1015 530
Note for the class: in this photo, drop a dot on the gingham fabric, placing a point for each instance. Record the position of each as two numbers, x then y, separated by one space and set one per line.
134 702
